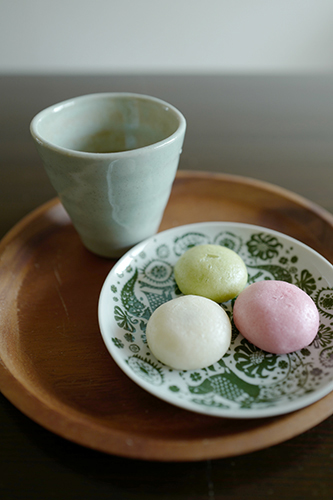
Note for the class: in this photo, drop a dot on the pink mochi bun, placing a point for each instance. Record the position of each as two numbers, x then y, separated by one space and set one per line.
276 316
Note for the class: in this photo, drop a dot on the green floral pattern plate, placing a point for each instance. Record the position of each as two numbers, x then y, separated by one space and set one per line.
247 382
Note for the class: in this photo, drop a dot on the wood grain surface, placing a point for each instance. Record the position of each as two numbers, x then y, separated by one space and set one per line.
55 367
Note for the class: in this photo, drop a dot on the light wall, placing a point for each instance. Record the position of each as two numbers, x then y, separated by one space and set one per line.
103 36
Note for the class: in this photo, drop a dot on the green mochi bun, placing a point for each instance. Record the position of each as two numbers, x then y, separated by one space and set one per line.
211 271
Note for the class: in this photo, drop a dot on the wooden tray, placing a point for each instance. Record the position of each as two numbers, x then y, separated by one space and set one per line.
54 366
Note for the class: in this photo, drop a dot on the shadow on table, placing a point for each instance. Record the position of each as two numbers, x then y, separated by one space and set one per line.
53 467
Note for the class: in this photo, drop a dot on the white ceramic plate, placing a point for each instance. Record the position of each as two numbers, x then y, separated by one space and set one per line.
246 382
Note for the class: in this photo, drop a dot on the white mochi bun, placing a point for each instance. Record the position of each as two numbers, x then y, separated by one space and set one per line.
189 332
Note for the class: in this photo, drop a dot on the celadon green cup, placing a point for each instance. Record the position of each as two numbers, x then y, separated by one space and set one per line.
112 159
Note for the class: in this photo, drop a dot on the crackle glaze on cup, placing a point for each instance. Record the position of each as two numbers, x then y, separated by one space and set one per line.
112 158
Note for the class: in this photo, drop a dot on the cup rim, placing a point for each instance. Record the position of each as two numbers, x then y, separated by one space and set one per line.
102 95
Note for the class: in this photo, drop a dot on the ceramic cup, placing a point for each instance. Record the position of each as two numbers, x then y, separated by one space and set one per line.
112 159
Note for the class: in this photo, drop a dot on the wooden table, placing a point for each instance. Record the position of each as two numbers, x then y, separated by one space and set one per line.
271 128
